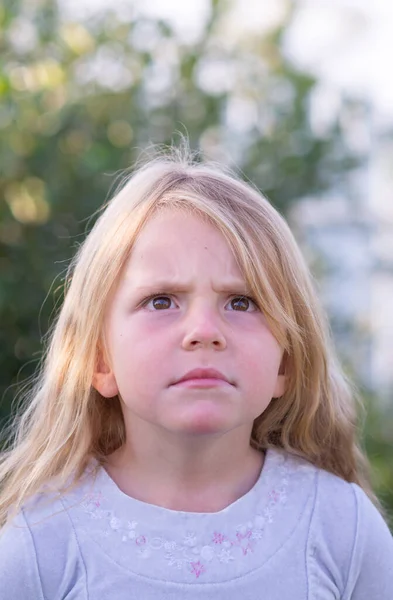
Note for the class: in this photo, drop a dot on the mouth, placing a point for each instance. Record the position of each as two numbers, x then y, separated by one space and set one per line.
203 378
202 383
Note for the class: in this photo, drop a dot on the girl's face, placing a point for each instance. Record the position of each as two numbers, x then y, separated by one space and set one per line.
181 306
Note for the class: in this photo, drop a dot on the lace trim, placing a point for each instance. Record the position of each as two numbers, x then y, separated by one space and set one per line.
192 553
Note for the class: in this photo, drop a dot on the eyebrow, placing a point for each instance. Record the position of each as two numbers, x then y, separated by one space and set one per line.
182 287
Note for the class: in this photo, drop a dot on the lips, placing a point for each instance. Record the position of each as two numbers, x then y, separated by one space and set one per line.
203 374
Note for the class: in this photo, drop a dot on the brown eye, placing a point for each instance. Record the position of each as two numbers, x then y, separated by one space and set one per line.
161 302
241 303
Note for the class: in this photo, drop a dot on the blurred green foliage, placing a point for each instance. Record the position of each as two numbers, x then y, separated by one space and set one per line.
378 445
79 101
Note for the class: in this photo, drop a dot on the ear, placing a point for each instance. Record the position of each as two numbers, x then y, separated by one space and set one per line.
104 380
280 387
281 382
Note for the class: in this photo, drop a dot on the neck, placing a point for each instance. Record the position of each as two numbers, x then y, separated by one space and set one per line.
194 475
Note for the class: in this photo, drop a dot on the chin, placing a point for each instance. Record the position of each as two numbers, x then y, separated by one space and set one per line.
204 424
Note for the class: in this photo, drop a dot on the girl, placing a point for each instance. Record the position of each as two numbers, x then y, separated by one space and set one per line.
190 431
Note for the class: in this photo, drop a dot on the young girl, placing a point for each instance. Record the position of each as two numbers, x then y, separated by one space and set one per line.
190 432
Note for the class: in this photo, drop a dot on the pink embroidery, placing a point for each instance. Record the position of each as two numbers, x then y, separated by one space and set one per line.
239 542
218 538
241 536
94 499
193 548
141 540
274 496
247 549
197 568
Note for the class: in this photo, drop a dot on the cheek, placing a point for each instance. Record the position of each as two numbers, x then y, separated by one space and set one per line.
260 361
138 354
132 338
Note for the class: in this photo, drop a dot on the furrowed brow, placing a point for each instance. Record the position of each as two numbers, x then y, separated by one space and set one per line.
235 286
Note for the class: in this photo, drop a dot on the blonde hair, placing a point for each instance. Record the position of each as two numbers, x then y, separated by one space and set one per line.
66 421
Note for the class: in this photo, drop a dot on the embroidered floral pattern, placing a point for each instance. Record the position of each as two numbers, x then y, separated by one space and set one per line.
195 553
197 568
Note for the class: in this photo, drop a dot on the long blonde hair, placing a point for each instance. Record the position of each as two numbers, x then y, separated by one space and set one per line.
66 422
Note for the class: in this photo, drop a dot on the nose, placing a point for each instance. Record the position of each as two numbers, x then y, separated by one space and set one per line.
204 329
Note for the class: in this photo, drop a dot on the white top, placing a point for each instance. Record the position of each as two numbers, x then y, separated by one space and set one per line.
299 533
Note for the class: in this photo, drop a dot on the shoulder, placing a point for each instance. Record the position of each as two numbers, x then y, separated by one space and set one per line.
349 539
371 573
345 507
19 574
39 550
336 502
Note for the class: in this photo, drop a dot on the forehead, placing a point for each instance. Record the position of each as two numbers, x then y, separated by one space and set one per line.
181 244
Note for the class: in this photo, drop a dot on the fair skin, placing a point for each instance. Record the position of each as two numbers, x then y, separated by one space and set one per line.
187 448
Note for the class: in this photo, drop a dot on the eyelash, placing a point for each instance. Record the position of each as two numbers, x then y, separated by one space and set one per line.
166 295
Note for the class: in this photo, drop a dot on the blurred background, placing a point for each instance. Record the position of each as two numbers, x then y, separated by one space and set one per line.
296 95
